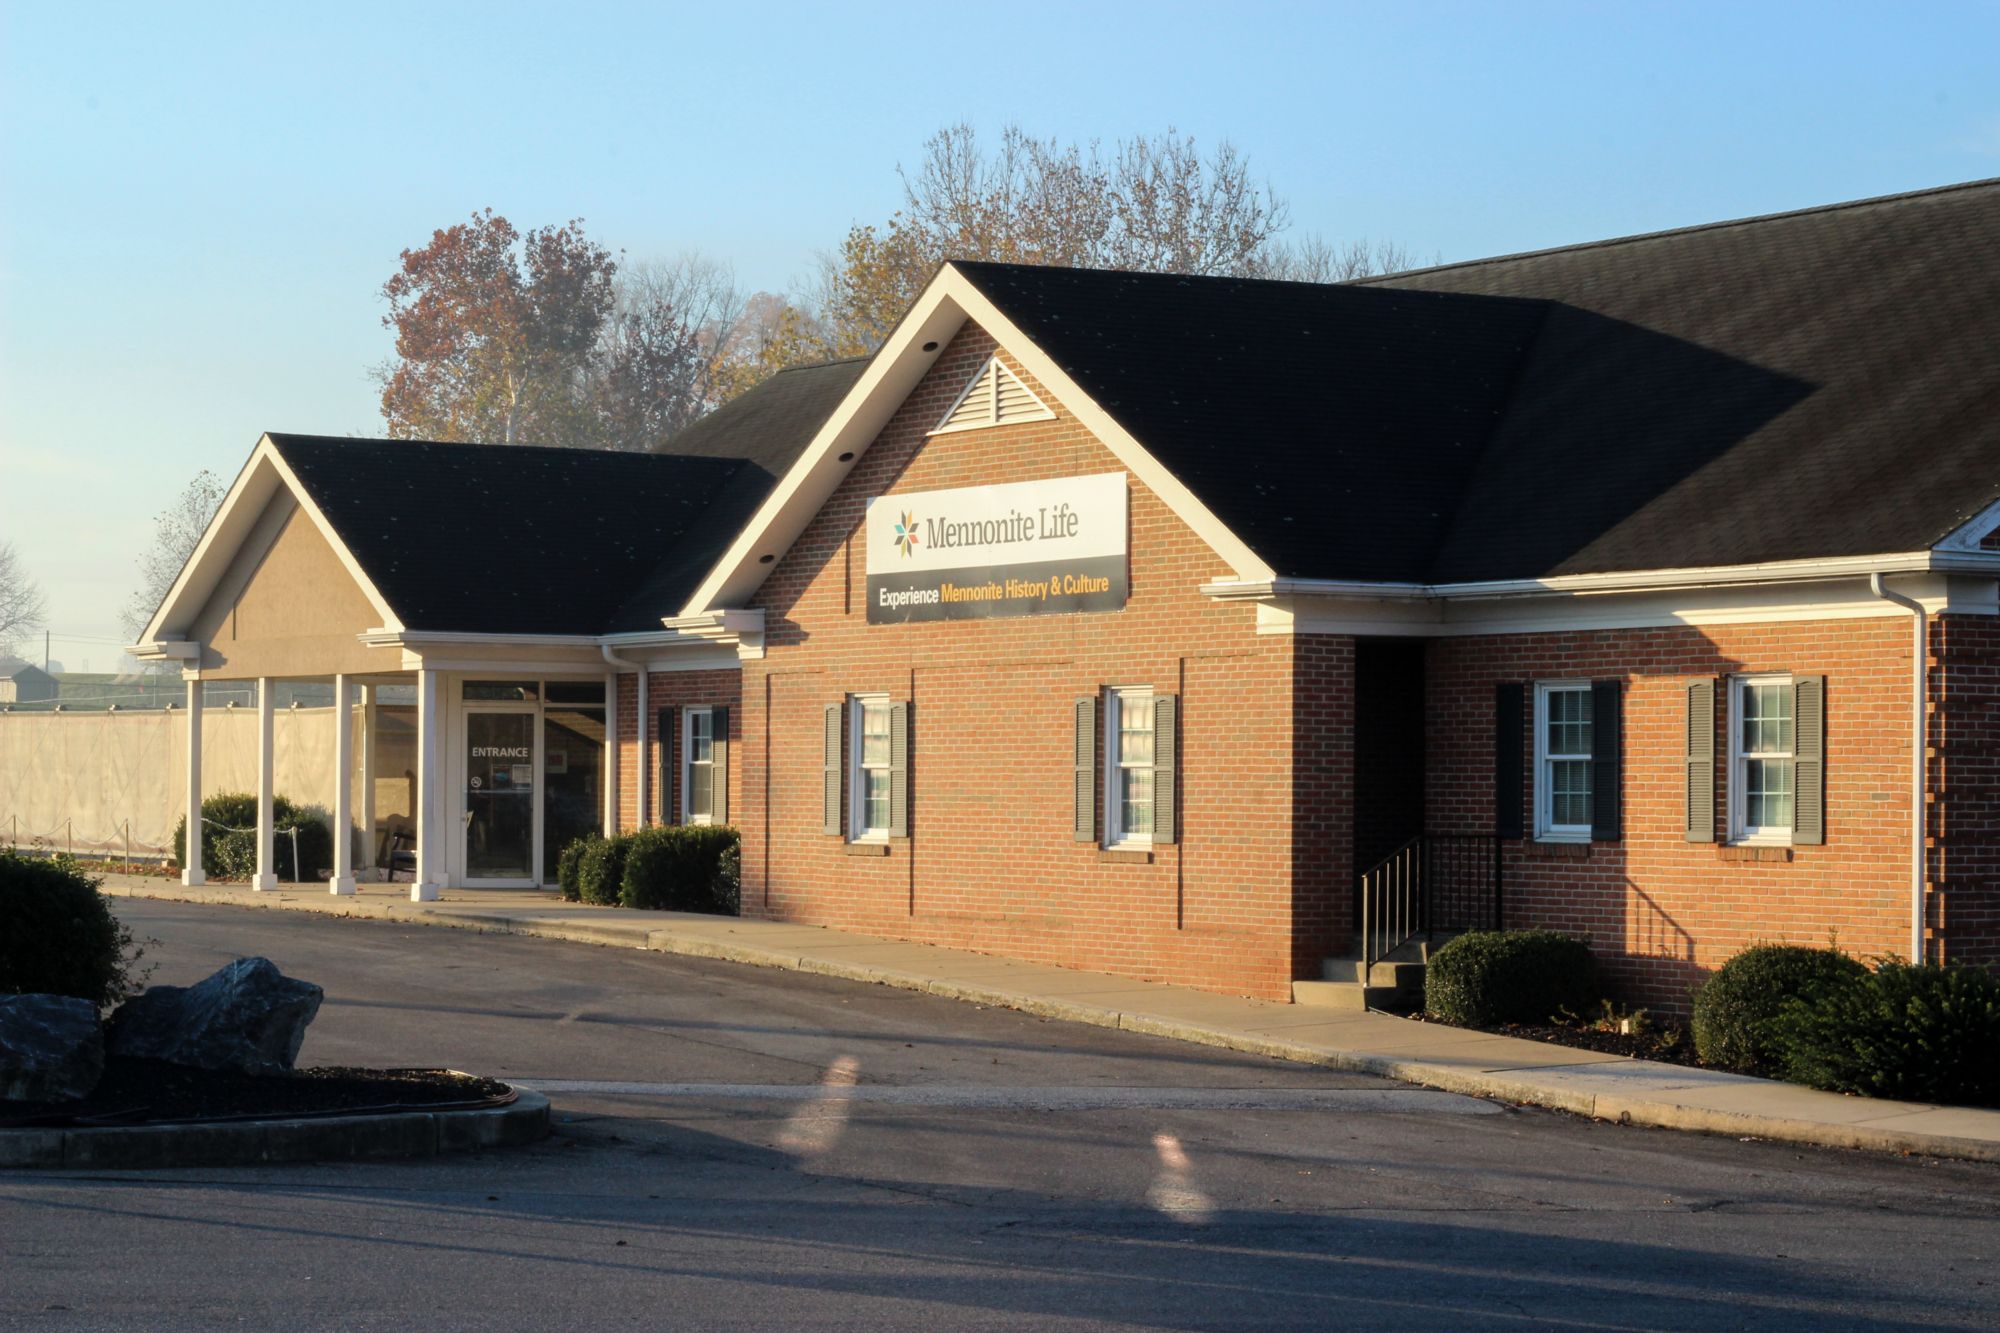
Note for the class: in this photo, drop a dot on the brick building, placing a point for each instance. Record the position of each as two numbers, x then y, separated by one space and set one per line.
1214 630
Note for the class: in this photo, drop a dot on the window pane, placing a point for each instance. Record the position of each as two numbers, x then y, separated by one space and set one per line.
701 786
1569 792
1135 732
875 804
1767 794
875 733
509 690
1135 799
1569 722
701 740
1767 719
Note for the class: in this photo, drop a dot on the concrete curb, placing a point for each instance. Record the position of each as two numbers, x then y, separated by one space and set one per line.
258 1142
1520 1086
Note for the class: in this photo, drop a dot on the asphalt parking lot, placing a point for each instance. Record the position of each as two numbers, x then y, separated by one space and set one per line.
989 1169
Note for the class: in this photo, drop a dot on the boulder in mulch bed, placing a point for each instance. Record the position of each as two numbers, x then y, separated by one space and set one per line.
249 1017
51 1047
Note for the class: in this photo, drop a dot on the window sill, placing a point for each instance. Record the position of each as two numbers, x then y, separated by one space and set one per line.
867 849
1127 856
1753 851
1560 849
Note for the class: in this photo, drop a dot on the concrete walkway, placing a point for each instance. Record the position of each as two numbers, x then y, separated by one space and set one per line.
1606 1086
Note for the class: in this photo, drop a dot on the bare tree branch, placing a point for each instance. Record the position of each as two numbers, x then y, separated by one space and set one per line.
176 532
24 607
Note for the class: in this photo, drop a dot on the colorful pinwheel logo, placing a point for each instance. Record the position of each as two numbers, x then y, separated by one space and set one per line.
906 534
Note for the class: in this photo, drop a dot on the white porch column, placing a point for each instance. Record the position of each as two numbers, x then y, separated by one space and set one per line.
343 788
267 725
368 781
430 776
191 871
611 754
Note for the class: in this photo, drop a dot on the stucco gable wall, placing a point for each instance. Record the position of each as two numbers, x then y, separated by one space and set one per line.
287 606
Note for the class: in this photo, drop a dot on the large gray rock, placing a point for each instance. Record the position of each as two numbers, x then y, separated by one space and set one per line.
249 1017
51 1047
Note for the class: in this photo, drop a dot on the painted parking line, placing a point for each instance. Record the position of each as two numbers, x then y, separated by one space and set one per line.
989 1096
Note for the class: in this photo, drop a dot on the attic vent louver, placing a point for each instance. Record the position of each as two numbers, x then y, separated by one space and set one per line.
994 398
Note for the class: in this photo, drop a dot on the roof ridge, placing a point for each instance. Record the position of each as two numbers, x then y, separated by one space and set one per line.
1982 183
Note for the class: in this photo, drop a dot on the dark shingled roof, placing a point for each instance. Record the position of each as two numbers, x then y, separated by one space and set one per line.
1812 384
481 538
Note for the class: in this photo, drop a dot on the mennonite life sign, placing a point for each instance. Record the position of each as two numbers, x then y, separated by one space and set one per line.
1035 548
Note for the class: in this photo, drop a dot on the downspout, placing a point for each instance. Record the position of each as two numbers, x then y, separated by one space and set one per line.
1919 738
642 765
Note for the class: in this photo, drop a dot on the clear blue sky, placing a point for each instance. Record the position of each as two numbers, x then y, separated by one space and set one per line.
200 203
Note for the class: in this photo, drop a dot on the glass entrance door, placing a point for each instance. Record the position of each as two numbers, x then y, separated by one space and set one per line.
572 790
500 773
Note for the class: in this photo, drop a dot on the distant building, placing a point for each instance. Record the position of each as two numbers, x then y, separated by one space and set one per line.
23 682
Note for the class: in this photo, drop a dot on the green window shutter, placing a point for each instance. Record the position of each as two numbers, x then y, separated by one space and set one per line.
1808 760
1509 721
1084 758
1166 751
1607 745
899 770
830 812
719 749
1699 760
668 733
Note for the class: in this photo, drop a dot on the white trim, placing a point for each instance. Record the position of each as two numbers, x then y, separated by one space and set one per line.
857 796
1116 699
946 304
1739 833
1545 829
688 715
1967 536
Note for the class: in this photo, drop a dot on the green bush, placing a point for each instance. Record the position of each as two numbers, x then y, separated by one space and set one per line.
57 934
600 870
1734 1011
569 867
679 868
1915 1033
229 854
1509 976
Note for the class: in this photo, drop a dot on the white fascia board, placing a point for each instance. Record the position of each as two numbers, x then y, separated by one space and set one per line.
262 475
942 310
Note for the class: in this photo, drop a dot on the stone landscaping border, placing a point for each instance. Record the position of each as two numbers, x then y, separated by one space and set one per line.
262 1142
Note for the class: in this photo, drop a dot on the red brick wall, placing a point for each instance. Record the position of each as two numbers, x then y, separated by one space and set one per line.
991 864
669 690
1661 912
1965 786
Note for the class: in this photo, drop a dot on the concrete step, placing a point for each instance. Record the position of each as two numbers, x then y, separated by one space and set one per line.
1344 995
1397 974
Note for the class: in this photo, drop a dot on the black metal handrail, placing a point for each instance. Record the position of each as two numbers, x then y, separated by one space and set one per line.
1434 882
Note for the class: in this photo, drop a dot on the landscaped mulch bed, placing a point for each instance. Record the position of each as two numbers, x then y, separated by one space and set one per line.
1638 1045
134 1092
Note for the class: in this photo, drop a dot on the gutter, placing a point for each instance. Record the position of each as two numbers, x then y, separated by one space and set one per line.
1919 769
642 765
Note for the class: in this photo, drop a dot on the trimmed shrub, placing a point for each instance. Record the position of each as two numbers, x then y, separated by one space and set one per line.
600 870
230 854
679 868
1486 977
1916 1033
569 867
57 934
1734 1011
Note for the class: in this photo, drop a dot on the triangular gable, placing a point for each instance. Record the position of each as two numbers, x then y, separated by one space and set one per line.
244 522
946 305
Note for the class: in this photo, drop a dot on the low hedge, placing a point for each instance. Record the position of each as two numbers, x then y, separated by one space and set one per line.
1486 977
680 868
600 870
57 933
1915 1033
230 851
1733 1013
569 867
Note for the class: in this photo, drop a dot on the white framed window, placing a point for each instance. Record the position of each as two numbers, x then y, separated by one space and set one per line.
1128 768
1762 759
698 766
1564 748
869 764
